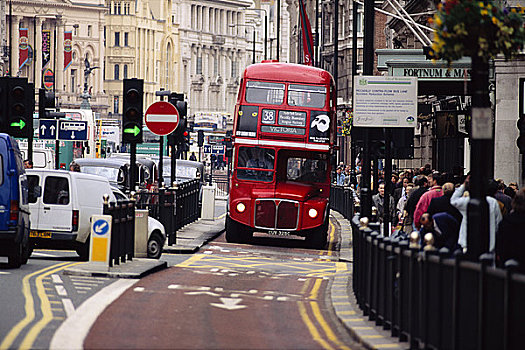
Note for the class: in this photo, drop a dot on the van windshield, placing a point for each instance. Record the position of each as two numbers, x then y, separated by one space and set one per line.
112 174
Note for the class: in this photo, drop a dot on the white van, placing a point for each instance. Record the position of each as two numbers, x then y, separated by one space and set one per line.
43 158
61 204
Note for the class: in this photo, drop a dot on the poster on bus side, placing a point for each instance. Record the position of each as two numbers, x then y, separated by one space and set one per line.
381 101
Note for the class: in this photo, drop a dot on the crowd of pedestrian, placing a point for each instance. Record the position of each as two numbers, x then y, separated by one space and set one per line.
425 200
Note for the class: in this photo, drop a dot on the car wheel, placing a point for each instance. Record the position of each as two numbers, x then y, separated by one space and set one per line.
15 259
83 250
155 244
237 232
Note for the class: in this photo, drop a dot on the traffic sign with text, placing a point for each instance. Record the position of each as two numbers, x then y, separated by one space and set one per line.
162 118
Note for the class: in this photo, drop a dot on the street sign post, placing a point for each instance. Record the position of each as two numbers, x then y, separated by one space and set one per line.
162 118
72 130
47 130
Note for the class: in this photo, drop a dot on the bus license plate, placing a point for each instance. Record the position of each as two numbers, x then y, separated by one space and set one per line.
39 234
278 233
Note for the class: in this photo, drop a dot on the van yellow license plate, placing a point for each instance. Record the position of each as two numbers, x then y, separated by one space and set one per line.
40 234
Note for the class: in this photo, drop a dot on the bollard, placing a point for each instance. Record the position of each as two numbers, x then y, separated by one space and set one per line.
429 242
414 240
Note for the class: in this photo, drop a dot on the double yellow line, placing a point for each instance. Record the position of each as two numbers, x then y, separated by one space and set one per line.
45 308
325 336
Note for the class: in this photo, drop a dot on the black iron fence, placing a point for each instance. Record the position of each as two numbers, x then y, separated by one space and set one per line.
173 207
435 299
342 200
122 243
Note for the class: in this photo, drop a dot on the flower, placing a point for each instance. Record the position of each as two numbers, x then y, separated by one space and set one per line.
347 123
476 28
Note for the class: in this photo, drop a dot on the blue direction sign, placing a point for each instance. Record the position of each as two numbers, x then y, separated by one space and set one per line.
101 227
72 130
214 149
47 129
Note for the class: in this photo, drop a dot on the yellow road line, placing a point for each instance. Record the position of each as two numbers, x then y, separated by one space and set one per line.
331 239
188 262
324 325
311 328
29 308
45 308
221 216
315 289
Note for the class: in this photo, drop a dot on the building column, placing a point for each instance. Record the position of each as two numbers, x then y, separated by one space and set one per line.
37 79
59 73
102 55
13 69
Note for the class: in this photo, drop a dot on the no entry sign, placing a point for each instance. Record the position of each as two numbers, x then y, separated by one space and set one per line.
162 118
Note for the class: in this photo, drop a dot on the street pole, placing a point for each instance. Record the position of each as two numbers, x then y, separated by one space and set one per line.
253 55
336 46
354 73
368 69
278 26
265 35
481 141
316 47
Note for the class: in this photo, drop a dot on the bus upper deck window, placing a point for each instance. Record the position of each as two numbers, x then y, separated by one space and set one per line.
264 92
306 96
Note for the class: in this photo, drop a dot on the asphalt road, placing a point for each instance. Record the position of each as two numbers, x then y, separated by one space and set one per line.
273 295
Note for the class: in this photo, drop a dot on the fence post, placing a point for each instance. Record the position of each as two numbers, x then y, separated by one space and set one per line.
455 299
510 267
485 260
412 295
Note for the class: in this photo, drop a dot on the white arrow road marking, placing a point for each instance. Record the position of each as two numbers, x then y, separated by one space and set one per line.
68 306
229 304
202 293
99 228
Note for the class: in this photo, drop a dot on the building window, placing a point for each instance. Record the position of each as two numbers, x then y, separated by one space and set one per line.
104 36
118 8
198 68
117 38
115 104
73 80
359 19
234 68
90 30
117 72
126 42
215 65
125 71
75 30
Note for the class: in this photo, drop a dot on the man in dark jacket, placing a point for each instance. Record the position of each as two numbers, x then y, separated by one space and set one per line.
442 204
510 239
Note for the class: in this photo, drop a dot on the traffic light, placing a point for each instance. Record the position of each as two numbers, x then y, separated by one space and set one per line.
177 137
20 107
46 99
521 138
200 138
186 140
132 111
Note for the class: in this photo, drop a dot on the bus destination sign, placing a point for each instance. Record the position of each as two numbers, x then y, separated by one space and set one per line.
292 118
282 130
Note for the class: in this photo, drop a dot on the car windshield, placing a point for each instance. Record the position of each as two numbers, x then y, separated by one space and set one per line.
112 174
181 172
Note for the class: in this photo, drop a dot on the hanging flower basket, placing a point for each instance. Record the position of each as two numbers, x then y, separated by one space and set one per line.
476 28
347 123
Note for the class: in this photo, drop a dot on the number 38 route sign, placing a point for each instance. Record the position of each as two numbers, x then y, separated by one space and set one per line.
162 118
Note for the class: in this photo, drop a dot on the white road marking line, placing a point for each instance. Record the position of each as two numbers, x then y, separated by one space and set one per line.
56 278
84 288
61 290
138 289
68 306
43 254
234 295
207 252
282 298
4 273
174 286
268 297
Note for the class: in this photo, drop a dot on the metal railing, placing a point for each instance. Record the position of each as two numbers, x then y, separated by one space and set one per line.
342 200
174 207
122 243
436 299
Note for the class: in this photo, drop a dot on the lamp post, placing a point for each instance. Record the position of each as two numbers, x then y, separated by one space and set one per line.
253 27
265 31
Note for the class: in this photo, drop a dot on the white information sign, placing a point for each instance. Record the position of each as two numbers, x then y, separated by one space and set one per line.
381 101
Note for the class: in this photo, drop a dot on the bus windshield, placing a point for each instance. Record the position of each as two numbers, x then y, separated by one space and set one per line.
264 92
306 96
252 158
302 169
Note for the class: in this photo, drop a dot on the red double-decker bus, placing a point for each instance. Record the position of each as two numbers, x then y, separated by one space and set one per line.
284 133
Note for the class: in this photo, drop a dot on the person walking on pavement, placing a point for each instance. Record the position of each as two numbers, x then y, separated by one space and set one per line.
434 191
461 202
339 177
510 239
379 202
410 207
193 157
442 204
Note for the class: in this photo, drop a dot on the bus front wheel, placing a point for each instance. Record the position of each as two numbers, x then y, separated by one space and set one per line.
318 237
237 232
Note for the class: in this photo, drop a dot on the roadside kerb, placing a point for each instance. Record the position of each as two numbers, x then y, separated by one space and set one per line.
343 300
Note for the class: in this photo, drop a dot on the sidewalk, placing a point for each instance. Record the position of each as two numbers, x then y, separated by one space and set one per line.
189 239
344 303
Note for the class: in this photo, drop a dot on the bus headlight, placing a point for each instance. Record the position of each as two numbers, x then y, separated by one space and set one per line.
312 213
241 207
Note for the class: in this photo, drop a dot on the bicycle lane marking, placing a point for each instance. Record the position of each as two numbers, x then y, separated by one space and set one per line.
29 308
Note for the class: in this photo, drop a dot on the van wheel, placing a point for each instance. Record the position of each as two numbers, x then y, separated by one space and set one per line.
155 244
237 232
83 250
16 257
27 250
